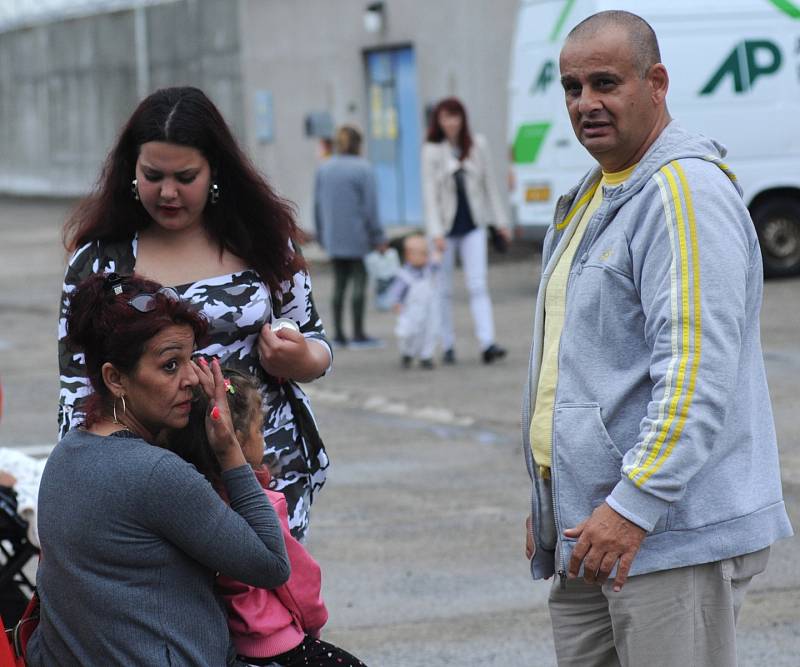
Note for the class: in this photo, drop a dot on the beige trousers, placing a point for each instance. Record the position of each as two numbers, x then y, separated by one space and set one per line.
684 617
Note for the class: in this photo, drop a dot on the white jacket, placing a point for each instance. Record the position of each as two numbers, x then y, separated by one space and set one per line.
439 188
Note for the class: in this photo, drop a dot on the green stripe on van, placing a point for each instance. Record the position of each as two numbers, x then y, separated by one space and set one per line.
562 17
528 142
787 7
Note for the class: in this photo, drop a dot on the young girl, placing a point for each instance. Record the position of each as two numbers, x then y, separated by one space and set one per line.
280 626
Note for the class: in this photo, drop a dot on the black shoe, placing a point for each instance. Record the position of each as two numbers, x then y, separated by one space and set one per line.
449 357
427 364
340 341
492 353
405 361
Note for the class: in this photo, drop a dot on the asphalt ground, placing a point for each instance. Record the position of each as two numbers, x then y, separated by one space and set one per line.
419 529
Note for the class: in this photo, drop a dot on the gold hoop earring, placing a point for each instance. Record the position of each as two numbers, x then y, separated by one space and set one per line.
114 408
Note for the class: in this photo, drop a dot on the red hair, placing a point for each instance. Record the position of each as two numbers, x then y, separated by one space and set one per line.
451 105
102 325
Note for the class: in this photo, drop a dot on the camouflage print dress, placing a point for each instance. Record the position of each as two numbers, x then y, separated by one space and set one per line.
237 305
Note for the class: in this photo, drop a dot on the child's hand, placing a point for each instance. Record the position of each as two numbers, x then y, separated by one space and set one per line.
397 308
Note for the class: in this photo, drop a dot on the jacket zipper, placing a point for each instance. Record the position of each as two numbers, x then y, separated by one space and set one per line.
562 571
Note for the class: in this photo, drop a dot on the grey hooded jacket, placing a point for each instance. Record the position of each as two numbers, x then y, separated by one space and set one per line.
661 405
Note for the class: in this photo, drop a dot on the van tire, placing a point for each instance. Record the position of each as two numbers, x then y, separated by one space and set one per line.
777 222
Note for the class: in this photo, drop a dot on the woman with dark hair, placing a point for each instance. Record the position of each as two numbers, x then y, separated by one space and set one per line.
179 202
461 200
132 535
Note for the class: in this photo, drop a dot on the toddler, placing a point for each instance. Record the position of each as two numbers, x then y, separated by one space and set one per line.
278 627
415 295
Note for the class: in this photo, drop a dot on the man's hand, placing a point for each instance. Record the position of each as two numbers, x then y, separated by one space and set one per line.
603 539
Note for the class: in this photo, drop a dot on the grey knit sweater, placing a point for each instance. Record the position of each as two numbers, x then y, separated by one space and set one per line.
132 537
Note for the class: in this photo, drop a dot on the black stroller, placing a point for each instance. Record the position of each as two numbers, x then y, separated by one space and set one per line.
16 550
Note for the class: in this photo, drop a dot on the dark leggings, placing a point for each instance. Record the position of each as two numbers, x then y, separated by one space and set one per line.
313 652
343 271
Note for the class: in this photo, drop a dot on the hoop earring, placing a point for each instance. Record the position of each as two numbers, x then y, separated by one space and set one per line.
213 193
135 189
114 408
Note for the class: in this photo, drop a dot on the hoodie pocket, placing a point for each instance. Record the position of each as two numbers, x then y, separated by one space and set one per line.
587 462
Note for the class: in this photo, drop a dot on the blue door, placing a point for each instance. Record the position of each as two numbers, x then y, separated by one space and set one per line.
394 139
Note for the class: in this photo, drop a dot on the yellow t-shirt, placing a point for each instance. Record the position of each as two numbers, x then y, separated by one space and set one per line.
555 300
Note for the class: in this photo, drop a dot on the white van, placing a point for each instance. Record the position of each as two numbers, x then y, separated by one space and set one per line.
734 70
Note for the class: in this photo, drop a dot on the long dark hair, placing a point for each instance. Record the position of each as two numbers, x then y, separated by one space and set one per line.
102 325
451 105
250 219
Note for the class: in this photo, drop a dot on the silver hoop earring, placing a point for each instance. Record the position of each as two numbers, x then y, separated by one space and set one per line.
135 189
114 409
213 193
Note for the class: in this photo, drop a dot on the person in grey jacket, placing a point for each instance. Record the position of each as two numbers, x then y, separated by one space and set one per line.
348 228
132 535
647 425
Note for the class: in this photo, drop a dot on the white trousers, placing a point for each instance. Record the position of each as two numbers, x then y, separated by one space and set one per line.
473 252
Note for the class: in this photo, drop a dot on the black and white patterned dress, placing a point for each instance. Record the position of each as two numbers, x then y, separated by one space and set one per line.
237 306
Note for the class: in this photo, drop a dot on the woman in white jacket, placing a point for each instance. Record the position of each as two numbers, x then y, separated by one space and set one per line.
461 201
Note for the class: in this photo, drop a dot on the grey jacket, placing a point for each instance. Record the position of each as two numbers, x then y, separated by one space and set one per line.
346 207
132 537
661 406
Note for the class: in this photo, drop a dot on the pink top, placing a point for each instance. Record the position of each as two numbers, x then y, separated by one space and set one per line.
264 623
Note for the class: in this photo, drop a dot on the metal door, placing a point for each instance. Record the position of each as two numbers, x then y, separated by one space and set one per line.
394 139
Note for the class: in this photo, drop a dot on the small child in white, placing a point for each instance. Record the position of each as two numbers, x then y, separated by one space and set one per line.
415 295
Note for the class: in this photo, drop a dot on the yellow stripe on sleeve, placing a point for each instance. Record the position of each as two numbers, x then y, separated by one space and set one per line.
697 329
690 326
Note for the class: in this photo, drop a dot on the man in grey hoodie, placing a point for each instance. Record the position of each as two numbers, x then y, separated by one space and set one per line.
647 425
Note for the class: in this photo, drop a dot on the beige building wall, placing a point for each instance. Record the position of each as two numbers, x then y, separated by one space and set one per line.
67 84
310 55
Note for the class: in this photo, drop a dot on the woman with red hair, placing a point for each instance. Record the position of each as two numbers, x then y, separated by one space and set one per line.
132 535
461 201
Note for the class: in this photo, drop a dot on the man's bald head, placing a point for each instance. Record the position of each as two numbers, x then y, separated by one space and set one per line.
641 37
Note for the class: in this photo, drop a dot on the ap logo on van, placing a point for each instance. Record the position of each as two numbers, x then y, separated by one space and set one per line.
545 77
748 61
